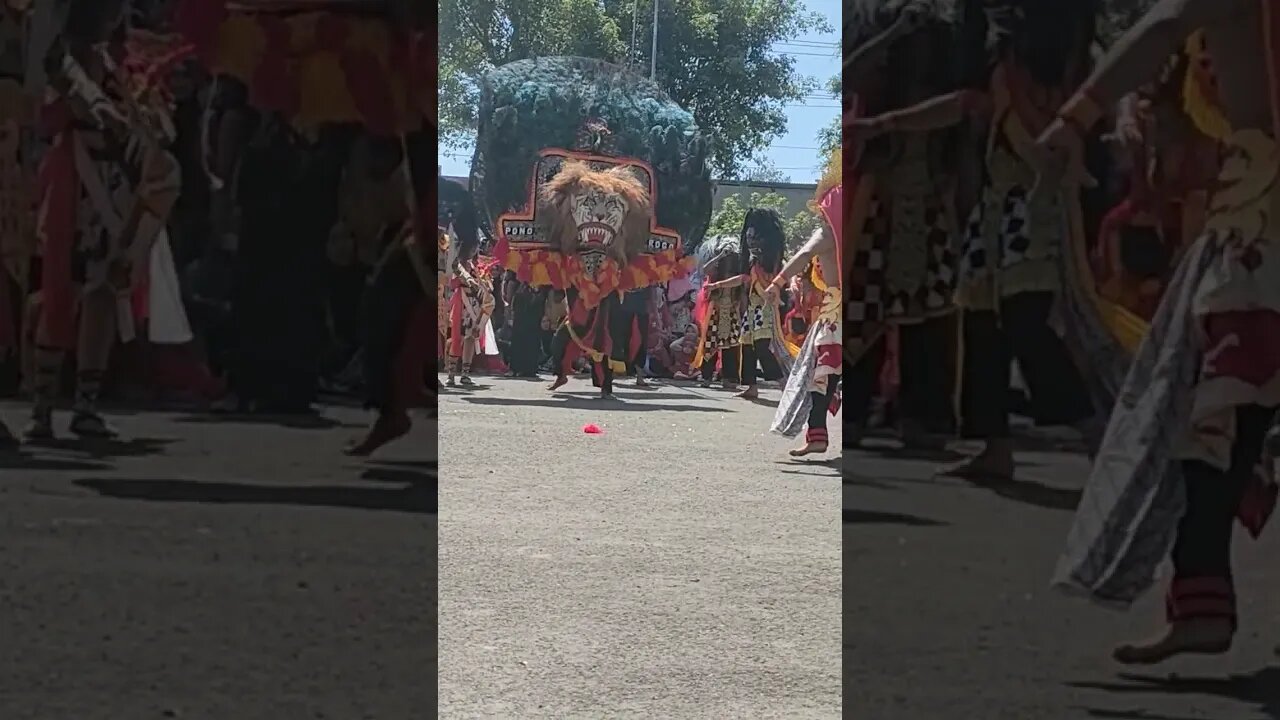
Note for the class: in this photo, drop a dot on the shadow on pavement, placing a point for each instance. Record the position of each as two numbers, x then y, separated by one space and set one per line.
400 475
1260 689
1030 492
634 394
102 449
26 461
579 403
868 517
292 422
1131 715
418 496
889 452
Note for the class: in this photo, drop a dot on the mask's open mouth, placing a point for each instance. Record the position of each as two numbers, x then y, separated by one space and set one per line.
596 233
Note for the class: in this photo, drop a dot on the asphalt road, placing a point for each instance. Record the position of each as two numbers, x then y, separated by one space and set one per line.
948 611
678 565
218 570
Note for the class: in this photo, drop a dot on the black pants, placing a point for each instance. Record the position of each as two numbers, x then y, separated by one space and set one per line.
861 382
622 326
759 353
729 358
526 333
393 291
641 358
1021 331
1202 583
820 410
928 375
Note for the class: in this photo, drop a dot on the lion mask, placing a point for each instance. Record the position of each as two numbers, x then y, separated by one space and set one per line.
597 212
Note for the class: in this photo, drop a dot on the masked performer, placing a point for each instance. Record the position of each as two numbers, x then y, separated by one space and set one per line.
596 237
760 333
716 312
813 385
471 303
605 218
106 190
1180 460
904 216
1009 271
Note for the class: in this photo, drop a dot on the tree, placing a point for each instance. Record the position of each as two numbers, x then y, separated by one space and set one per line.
765 170
728 219
715 58
829 137
1117 16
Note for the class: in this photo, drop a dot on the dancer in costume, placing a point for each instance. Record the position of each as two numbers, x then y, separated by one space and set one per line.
397 340
1180 460
107 188
718 316
471 302
904 217
601 221
17 231
1009 273
812 389
761 343
396 319
583 217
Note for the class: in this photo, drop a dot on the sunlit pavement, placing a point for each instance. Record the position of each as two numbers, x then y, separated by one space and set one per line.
212 569
677 565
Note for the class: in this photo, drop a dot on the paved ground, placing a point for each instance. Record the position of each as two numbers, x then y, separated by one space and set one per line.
948 613
674 566
213 570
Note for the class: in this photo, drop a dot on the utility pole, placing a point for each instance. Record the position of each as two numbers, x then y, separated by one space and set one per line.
653 59
632 49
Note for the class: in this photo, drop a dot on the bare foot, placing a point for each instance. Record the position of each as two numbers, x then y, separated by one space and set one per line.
1205 636
751 393
385 430
559 383
811 448
987 465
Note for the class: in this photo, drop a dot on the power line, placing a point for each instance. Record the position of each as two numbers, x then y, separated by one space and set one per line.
809 43
805 54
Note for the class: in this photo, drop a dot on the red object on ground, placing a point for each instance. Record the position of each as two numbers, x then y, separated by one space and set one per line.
592 429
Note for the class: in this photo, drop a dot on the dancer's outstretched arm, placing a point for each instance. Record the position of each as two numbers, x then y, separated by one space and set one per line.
1138 55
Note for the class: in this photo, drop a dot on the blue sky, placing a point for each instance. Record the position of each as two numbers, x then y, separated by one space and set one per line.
795 151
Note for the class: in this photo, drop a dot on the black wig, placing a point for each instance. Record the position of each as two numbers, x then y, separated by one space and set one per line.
769 238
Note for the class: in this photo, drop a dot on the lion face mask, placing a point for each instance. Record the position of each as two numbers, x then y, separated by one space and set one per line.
597 213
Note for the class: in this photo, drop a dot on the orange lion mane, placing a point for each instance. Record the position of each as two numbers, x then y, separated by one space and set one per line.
577 176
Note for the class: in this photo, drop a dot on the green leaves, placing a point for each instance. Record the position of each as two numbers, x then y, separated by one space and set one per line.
715 58
727 221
